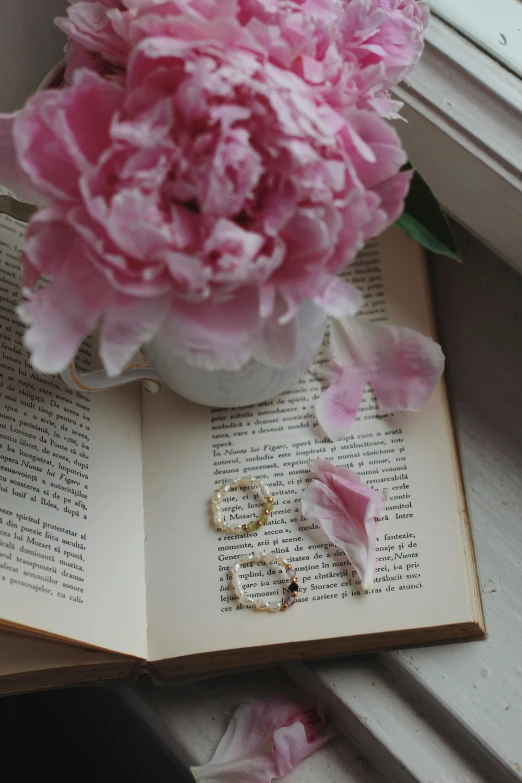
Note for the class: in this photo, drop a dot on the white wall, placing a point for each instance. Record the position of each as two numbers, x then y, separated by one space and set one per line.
30 45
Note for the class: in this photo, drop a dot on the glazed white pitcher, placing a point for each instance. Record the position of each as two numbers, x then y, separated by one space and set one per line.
157 364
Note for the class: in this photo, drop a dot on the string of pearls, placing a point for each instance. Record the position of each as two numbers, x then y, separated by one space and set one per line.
267 558
222 492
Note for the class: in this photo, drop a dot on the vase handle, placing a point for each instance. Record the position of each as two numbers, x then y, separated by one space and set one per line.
98 380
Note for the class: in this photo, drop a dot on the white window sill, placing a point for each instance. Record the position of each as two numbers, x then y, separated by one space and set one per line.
464 113
495 26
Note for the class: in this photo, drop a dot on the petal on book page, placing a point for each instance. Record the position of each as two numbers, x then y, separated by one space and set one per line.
264 740
339 298
402 365
345 509
337 406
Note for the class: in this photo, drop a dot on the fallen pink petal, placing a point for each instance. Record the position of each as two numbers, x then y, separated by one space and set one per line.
264 741
402 366
346 511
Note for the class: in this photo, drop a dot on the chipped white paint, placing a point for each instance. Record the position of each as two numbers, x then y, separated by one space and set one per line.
450 714
490 587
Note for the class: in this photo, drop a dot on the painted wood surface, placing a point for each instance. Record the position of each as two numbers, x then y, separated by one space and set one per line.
447 714
463 129
495 27
189 720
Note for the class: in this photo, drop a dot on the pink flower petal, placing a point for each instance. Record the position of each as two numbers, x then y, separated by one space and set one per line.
232 251
42 154
83 116
77 57
267 300
232 176
339 298
392 193
61 133
403 366
128 324
214 335
345 509
62 314
383 140
48 226
347 485
135 224
337 407
359 222
149 129
276 344
89 24
301 737
12 176
264 740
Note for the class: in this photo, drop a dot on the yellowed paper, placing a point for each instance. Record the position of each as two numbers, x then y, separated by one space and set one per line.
71 505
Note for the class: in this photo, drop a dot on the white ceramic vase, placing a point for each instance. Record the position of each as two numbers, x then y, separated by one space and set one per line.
157 364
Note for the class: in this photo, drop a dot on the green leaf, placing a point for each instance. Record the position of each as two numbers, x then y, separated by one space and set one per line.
424 221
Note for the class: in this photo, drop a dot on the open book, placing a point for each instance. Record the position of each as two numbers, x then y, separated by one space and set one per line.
109 562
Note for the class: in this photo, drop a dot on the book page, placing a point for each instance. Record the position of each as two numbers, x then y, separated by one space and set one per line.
421 579
71 506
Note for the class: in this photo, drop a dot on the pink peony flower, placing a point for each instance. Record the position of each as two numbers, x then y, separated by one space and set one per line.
204 196
99 31
345 509
352 50
264 741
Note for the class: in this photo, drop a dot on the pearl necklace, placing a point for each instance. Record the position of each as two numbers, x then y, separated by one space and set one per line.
222 492
266 558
